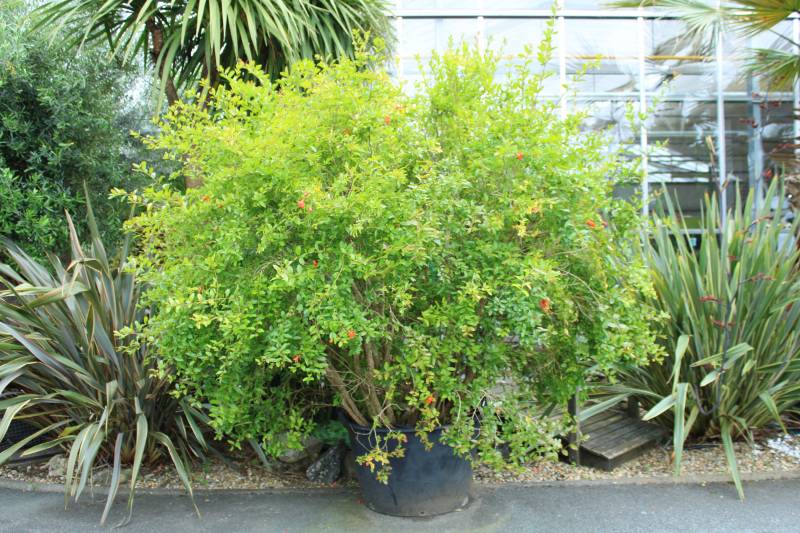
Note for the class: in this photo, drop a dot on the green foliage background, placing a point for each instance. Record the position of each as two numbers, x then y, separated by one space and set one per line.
65 119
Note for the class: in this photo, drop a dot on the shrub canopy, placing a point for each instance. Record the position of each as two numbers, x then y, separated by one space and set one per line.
64 120
411 252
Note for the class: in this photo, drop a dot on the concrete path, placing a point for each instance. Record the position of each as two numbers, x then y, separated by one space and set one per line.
771 506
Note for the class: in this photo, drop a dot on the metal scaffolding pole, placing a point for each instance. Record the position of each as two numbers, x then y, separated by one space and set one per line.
643 146
562 58
721 147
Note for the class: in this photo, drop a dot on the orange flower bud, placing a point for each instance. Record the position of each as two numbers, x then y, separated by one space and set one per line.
544 304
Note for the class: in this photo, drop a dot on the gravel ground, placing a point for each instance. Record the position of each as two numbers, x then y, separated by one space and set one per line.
775 454
244 474
699 459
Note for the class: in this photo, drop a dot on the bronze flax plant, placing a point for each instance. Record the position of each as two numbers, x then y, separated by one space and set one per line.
73 365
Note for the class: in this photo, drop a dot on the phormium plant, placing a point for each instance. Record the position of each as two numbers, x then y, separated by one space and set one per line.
733 325
409 254
74 365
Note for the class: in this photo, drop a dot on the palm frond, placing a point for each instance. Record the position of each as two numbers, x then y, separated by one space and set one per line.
755 16
190 40
779 69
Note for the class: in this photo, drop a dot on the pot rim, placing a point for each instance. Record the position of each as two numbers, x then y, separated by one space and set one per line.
345 419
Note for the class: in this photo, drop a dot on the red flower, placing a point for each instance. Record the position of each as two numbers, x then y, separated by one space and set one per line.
591 223
519 156
301 203
296 358
429 400
544 304
315 263
351 334
387 119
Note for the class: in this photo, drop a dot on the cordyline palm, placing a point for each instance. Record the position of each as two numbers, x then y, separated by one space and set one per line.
186 41
779 67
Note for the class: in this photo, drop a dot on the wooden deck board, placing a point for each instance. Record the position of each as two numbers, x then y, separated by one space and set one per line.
613 437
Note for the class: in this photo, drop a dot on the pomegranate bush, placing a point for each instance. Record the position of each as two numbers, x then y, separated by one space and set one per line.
438 259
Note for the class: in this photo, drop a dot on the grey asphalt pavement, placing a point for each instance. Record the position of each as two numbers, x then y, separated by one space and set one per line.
771 506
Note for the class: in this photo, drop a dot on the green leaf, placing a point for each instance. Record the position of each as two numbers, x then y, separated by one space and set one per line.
679 432
733 354
138 454
9 415
680 350
769 402
709 378
72 459
730 455
179 466
115 477
666 403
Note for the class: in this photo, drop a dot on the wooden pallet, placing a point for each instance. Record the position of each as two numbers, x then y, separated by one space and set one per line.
608 439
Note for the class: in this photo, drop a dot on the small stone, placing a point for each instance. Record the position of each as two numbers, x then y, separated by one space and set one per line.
102 477
328 467
57 466
311 448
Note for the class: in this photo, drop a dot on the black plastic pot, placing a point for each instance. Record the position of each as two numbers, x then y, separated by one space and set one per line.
421 483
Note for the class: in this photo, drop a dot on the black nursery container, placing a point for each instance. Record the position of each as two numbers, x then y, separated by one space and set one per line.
421 483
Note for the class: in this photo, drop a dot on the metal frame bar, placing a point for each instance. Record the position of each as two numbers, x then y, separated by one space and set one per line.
561 34
722 169
796 38
530 13
755 151
643 142
536 13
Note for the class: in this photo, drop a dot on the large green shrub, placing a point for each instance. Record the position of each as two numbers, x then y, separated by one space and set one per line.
409 252
733 327
64 120
74 364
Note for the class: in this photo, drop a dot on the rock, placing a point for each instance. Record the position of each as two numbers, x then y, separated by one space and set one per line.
328 466
57 466
102 476
349 465
311 448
